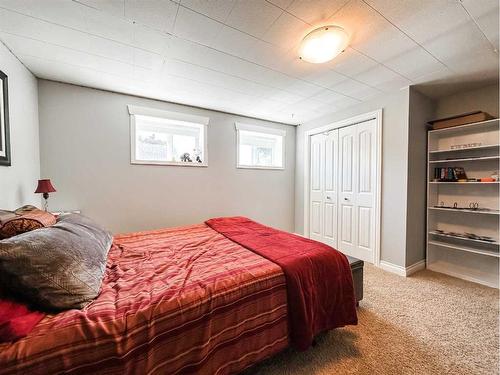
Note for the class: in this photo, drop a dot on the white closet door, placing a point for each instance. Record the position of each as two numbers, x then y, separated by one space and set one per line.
357 184
347 196
323 188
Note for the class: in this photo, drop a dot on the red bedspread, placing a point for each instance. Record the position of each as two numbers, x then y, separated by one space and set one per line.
173 301
319 280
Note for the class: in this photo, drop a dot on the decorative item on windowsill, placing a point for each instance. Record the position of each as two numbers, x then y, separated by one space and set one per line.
197 154
186 158
45 187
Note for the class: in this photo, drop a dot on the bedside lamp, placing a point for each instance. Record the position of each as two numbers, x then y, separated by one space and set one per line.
45 187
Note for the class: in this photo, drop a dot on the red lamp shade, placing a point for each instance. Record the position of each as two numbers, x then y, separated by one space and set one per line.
45 186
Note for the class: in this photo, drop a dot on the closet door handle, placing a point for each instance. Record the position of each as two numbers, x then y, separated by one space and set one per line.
346 199
328 197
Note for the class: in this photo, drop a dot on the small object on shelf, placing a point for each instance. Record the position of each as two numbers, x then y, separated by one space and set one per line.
466 146
449 174
462 119
494 176
487 179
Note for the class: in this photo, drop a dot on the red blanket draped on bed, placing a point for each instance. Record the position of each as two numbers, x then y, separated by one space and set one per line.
319 280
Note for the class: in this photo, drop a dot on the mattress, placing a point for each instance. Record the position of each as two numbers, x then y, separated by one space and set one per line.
179 300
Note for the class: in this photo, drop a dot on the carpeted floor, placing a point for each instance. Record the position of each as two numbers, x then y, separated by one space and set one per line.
427 323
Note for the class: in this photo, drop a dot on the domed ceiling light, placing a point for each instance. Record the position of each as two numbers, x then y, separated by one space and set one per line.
323 44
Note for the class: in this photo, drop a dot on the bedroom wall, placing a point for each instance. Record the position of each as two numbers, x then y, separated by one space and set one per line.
18 182
421 110
482 99
85 150
394 170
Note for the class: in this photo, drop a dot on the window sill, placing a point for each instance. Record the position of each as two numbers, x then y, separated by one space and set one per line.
169 163
257 167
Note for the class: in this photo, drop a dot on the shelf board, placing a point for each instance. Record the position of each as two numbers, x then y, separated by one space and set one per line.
497 213
497 157
465 183
465 126
463 238
490 253
483 147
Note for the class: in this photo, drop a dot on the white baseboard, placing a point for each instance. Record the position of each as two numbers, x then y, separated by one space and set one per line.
402 271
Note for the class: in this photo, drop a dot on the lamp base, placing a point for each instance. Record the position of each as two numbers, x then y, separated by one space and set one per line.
46 201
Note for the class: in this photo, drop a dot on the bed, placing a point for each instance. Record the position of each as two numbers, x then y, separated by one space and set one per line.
173 301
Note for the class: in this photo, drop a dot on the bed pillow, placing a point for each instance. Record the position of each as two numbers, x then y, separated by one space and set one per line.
25 219
58 267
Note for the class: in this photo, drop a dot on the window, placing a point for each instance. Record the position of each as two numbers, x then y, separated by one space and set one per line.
169 138
260 147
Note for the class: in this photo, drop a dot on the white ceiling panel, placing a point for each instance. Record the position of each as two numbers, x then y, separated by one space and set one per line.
233 41
108 26
414 63
241 56
314 12
355 89
286 31
114 7
151 40
156 14
253 17
352 62
383 79
216 9
196 27
486 14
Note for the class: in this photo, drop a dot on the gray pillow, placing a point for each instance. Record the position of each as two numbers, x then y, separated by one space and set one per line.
58 267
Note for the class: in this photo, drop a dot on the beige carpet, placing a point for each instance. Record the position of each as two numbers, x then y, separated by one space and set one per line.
428 323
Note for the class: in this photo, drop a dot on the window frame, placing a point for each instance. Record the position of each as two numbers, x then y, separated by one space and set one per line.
264 130
171 116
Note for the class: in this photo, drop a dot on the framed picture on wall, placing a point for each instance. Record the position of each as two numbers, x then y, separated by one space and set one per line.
4 121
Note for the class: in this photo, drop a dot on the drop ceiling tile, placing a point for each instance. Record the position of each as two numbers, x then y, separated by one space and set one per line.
151 40
486 14
147 60
414 63
29 27
156 14
325 77
355 89
108 48
114 7
253 17
352 62
314 12
328 96
422 20
283 4
196 27
216 9
108 26
233 41
383 79
286 32
449 47
64 13
20 6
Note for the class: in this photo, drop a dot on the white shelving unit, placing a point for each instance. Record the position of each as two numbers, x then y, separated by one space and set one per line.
467 258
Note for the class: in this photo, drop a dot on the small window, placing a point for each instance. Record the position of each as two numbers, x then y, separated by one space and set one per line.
167 138
260 147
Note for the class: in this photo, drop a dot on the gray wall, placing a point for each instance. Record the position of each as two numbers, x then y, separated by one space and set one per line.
85 150
421 110
394 170
483 99
18 182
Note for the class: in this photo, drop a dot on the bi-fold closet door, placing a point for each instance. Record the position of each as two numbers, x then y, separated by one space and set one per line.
342 189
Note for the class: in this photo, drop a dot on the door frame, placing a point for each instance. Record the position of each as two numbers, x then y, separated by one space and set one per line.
375 115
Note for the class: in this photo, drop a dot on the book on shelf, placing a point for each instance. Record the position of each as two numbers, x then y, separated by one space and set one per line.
449 174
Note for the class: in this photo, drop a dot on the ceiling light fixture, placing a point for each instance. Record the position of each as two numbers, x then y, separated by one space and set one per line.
323 44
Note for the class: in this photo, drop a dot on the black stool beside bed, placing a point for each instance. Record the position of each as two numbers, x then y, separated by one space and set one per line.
357 277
